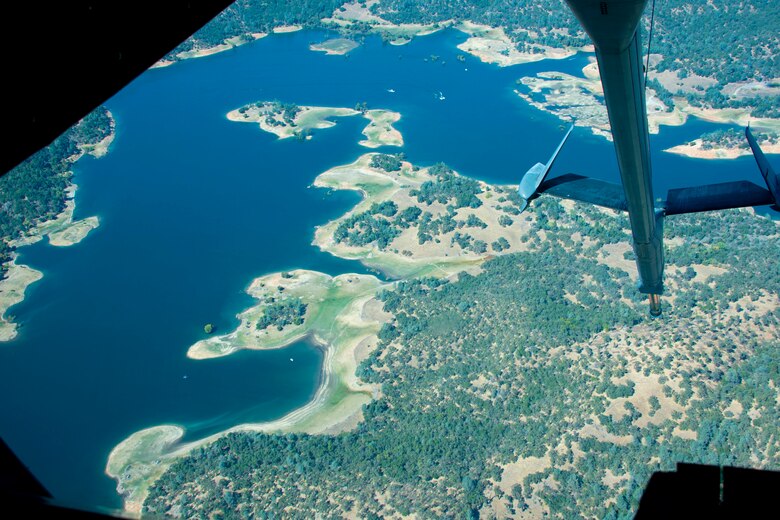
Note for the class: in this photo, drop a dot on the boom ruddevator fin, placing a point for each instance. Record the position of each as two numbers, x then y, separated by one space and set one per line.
533 178
711 197
727 195
769 175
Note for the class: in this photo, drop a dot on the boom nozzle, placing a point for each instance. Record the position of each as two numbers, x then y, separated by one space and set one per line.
655 304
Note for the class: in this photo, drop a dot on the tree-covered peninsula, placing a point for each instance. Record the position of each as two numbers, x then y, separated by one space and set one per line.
36 190
533 383
36 200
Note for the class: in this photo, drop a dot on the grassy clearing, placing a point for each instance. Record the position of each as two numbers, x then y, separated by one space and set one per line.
335 46
74 232
380 130
12 288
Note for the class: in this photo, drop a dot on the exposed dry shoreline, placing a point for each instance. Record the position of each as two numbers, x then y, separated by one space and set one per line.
342 317
202 52
12 289
62 231
492 45
696 150
579 99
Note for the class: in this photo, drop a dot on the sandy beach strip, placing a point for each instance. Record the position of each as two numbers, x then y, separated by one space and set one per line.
342 317
12 288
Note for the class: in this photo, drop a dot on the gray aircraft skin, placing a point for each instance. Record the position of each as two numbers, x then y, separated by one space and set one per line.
536 174
613 26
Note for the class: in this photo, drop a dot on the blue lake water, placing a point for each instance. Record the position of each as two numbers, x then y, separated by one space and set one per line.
193 207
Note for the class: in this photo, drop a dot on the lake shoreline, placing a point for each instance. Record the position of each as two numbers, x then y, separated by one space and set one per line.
12 291
61 230
491 45
138 461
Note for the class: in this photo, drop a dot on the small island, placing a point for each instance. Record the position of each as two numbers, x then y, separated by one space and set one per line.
380 130
335 46
287 120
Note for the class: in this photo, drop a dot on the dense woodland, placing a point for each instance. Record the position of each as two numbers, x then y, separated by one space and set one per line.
289 311
34 191
382 223
533 357
387 162
245 17
744 47
732 138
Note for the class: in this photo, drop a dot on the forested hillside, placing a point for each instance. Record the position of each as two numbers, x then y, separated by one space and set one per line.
537 385
34 191
743 47
728 41
253 16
